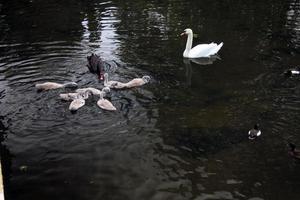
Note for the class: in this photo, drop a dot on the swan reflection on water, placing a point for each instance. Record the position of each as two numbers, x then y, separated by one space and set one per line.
198 61
202 61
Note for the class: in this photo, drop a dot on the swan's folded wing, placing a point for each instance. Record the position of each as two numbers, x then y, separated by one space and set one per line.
202 50
134 83
94 91
215 49
76 104
106 105
48 86
68 96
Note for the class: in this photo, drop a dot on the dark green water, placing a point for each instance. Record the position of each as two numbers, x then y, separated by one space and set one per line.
183 135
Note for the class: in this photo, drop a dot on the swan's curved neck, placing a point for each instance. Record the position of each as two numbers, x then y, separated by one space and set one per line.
86 94
105 79
188 46
101 95
69 84
189 42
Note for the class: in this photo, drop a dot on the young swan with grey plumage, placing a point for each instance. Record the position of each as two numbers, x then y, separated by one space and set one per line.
137 82
104 103
94 91
79 101
68 96
52 85
113 84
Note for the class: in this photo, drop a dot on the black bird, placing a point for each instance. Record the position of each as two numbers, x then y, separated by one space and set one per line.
96 65
295 153
254 133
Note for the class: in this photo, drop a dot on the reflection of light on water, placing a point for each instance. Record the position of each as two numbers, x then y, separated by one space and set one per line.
86 32
109 44
102 39
158 21
293 22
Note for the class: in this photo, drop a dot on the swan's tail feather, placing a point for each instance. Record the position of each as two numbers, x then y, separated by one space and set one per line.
219 47
216 49
221 44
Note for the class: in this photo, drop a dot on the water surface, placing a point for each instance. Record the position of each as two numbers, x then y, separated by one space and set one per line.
183 135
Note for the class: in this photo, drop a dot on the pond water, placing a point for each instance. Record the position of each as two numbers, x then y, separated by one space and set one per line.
183 135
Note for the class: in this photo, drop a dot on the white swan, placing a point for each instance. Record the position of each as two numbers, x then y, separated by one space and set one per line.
52 85
201 50
137 82
112 84
105 104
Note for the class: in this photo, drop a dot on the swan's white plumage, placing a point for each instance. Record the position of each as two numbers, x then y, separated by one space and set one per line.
201 50
204 50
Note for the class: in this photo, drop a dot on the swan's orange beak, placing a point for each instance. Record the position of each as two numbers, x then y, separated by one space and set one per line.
183 34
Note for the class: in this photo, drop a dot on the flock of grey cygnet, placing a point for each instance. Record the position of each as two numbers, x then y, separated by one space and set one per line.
80 95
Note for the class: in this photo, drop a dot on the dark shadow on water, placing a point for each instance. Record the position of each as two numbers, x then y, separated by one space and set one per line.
202 61
198 61
182 136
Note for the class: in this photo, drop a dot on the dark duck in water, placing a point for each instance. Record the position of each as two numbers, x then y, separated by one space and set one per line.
96 65
293 152
291 72
254 133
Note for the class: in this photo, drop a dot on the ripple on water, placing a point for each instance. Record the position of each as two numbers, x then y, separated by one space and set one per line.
216 195
163 140
44 61
293 22
283 93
